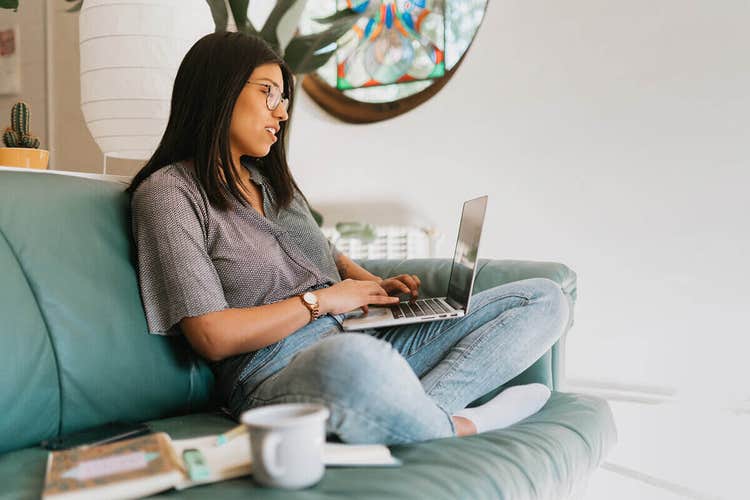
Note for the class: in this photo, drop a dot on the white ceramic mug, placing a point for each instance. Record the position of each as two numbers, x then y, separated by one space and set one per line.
286 443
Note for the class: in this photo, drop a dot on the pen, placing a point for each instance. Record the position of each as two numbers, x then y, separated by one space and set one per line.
229 435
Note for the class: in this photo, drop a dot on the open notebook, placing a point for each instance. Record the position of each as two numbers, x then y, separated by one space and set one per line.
148 464
233 459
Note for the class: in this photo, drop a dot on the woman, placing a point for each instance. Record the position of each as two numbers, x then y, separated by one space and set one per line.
227 247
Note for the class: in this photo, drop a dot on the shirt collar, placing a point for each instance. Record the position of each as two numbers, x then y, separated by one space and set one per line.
255 173
258 177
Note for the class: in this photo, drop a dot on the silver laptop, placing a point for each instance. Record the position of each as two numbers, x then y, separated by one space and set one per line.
460 284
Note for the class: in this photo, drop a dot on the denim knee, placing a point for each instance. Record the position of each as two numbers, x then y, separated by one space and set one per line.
372 392
544 287
550 293
539 291
551 308
541 301
347 366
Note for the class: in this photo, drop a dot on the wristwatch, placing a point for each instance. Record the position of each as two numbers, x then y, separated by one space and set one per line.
311 302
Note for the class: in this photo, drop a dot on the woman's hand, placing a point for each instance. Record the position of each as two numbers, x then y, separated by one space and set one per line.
402 284
351 294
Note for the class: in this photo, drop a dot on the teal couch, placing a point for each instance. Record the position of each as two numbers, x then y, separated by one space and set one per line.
75 352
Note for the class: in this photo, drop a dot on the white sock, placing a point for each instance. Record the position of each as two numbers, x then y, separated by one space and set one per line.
510 406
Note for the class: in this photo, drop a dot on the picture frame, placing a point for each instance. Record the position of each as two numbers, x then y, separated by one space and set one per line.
10 61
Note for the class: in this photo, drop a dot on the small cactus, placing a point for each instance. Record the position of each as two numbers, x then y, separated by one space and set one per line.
28 141
19 118
10 138
18 135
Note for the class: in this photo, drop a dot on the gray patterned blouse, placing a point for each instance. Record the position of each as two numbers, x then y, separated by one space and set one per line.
194 259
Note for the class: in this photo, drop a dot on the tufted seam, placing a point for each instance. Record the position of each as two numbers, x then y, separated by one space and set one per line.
480 269
46 328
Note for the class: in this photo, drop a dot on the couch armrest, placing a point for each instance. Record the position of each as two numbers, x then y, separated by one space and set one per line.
434 274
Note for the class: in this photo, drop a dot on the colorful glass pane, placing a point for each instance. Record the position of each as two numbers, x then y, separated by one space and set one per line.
462 20
395 41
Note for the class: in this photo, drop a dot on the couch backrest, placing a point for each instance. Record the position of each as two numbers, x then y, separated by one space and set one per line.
74 346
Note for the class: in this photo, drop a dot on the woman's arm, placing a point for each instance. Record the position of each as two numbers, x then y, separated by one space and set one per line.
220 334
348 269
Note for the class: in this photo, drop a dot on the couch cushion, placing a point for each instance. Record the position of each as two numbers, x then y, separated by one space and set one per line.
27 364
70 239
549 455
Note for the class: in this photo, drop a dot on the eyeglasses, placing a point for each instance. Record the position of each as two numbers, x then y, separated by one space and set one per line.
273 96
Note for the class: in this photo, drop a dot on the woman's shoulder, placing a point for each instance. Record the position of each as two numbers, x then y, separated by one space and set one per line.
176 176
171 185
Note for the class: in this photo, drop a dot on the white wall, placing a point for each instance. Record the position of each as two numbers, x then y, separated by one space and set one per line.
611 136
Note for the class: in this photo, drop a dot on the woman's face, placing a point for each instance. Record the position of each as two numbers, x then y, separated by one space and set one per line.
254 128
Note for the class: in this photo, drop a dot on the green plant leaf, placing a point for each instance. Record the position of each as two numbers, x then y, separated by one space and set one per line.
339 15
307 53
317 216
282 23
239 12
249 29
358 230
77 4
219 14
9 4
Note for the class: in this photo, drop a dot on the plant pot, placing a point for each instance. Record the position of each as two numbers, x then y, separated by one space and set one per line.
24 158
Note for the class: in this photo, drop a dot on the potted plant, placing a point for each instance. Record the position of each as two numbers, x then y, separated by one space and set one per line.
22 148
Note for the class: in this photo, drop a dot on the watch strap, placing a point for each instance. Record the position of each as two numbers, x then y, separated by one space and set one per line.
313 308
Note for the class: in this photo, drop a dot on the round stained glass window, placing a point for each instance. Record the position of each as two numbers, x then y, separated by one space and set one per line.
397 55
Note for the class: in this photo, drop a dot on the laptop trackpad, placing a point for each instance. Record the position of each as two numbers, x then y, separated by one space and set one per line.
373 314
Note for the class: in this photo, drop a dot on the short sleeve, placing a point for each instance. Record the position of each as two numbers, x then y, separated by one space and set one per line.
176 275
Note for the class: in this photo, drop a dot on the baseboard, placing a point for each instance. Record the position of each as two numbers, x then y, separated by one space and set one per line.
676 489
614 391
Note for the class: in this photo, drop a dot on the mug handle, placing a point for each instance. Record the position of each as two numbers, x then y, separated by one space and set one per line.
270 453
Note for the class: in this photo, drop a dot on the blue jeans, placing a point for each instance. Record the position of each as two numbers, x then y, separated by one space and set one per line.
402 384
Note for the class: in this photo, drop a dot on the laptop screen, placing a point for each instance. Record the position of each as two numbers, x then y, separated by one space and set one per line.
465 258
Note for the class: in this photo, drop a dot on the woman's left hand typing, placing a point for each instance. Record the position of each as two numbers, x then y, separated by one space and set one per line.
402 284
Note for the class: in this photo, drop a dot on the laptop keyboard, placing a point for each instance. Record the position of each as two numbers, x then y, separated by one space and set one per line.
421 307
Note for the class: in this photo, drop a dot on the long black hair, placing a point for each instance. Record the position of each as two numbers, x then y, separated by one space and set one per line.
208 82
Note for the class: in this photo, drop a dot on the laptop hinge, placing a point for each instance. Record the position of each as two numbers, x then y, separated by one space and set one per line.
454 304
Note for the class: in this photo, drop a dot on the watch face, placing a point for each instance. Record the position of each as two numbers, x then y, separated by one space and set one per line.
310 298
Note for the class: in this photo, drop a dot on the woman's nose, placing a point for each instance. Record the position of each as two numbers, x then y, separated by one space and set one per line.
280 112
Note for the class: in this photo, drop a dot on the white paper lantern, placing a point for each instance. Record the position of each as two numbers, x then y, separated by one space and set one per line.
130 52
